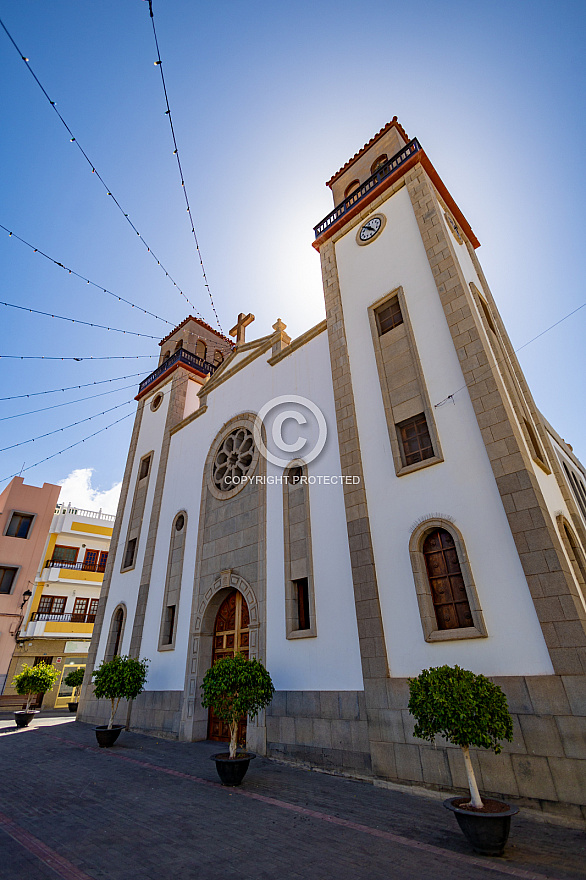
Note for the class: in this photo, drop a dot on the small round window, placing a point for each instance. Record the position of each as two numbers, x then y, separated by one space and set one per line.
156 402
233 461
179 522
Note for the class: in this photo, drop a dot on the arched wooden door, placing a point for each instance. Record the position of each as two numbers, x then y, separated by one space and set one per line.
231 635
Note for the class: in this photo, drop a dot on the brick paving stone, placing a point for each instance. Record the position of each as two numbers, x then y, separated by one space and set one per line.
122 813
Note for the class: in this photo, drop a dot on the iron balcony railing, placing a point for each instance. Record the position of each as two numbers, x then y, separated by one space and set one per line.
181 356
77 566
63 618
379 175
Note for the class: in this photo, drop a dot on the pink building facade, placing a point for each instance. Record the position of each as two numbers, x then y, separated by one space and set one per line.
26 513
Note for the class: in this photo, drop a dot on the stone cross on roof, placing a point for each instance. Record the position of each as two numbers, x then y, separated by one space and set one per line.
239 329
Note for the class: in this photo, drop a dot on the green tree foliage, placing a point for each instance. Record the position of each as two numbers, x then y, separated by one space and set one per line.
466 709
35 680
234 687
74 679
123 678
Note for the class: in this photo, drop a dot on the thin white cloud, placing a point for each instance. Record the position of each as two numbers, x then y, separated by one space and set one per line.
77 489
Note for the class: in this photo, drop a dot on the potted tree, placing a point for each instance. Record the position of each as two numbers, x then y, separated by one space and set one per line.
467 710
122 678
33 680
74 679
235 687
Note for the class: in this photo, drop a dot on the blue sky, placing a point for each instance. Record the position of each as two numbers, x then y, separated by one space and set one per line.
268 100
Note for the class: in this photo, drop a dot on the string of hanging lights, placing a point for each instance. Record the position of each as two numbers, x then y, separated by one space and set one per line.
71 387
159 64
33 412
67 448
65 427
47 357
76 320
74 140
83 277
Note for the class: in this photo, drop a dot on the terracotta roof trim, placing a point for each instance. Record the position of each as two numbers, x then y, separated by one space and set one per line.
394 123
202 324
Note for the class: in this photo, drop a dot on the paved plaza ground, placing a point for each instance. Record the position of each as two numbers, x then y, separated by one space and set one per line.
151 809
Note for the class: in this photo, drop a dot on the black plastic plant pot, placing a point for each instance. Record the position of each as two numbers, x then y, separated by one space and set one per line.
73 707
107 738
232 770
486 832
24 718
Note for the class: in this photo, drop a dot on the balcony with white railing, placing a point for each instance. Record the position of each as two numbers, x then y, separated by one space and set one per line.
63 509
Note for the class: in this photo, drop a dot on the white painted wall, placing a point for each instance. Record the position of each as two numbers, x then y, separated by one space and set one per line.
124 587
332 660
462 487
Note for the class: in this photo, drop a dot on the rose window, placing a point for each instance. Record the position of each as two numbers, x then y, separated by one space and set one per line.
233 460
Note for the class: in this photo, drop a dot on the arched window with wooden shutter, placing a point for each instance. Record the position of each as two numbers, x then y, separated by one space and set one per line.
448 601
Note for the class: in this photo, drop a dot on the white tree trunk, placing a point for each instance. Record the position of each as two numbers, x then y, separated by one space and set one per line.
475 799
112 713
233 739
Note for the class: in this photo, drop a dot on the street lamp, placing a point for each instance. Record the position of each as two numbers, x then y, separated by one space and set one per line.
25 597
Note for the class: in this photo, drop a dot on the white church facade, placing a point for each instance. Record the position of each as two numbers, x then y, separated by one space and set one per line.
377 496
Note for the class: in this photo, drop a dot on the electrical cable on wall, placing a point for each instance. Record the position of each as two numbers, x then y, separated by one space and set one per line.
83 277
515 351
74 140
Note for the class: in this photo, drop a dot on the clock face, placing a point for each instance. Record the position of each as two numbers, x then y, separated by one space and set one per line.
370 228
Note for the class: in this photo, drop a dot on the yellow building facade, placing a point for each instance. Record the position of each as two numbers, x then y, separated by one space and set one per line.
59 618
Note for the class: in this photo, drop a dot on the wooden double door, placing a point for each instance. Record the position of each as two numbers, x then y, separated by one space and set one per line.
231 636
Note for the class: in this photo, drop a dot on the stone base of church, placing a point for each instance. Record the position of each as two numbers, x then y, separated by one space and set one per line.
153 712
543 768
323 728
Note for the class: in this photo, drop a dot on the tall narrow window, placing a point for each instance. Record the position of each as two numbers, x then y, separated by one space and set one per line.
169 625
450 601
415 440
200 349
303 615
137 512
19 525
130 553
408 412
115 635
299 599
172 592
577 488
